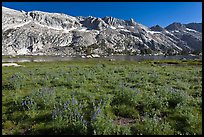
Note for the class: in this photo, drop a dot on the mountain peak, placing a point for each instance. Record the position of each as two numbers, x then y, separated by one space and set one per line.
175 26
157 28
132 22
195 26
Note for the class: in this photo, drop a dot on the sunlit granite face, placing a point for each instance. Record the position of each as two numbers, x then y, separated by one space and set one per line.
36 32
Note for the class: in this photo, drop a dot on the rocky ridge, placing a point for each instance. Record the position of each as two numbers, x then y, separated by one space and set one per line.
43 33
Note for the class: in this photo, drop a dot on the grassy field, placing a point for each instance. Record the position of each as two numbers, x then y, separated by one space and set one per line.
103 97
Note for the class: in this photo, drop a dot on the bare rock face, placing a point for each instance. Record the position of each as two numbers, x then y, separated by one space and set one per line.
175 26
55 20
192 37
94 23
42 33
157 28
194 26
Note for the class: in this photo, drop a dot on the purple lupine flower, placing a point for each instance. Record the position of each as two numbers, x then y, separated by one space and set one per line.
54 114
24 103
99 110
85 122
68 102
81 118
74 101
65 105
72 115
93 117
29 102
100 101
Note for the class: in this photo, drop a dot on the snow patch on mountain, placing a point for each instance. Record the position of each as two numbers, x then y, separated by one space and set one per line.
190 30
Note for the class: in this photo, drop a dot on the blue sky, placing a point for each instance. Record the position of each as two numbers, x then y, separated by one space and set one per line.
146 13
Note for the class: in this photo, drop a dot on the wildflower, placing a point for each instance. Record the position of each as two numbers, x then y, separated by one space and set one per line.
85 122
81 118
24 103
54 114
74 101
65 105
100 101
93 117
99 110
29 102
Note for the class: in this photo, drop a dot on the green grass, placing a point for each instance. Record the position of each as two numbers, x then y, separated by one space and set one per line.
103 97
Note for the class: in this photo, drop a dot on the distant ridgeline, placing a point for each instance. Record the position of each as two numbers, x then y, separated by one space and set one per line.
43 33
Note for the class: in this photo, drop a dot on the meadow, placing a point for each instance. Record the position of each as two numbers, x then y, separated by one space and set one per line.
102 97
